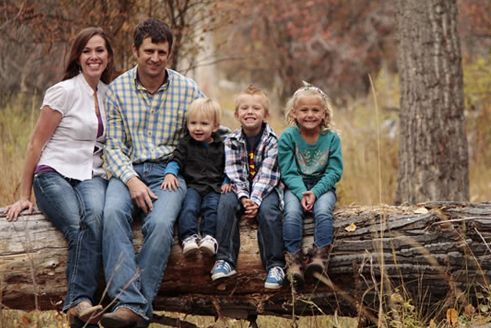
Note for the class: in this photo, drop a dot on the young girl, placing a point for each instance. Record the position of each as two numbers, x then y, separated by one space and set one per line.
310 163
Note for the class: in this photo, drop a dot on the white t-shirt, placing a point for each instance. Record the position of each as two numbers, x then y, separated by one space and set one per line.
70 151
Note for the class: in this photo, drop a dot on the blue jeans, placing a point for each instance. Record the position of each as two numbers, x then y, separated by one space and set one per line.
134 279
269 233
194 205
293 221
75 208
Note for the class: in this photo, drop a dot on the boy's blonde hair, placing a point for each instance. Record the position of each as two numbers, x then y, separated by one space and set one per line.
205 107
252 90
310 90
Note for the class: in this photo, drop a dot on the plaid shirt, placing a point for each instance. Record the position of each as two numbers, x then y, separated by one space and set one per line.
266 161
143 127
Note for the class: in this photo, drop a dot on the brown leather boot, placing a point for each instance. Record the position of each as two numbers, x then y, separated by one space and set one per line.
318 262
84 312
294 271
122 318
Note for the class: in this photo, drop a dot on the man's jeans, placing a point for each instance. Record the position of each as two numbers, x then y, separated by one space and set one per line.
293 221
75 208
194 205
134 279
269 233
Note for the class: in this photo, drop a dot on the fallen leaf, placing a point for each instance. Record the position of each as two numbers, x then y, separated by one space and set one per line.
469 310
350 228
432 324
421 210
452 317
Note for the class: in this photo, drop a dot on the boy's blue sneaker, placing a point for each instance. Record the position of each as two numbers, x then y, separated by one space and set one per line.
222 269
275 277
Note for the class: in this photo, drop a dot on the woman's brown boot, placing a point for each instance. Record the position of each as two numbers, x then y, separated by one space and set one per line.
294 273
318 262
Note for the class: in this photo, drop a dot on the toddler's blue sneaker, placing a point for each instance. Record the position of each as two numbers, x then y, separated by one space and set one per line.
222 269
275 277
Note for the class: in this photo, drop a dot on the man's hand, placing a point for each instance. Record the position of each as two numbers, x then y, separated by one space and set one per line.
308 201
141 194
170 182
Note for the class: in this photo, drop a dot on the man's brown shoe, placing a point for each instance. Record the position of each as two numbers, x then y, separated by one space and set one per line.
121 318
85 312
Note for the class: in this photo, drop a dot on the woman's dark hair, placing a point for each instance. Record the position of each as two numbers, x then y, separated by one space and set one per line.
78 45
155 29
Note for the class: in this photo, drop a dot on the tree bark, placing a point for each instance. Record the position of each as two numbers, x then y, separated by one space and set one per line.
429 253
433 146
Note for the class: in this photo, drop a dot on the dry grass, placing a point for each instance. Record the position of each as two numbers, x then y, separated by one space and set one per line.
53 319
357 121
17 120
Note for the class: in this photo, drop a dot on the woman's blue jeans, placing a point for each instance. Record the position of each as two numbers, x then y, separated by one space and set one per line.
75 208
294 216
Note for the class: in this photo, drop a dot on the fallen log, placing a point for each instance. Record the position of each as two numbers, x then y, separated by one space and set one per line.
432 253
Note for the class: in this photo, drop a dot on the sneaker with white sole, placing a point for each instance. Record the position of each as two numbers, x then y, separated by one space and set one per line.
190 246
222 269
275 278
208 245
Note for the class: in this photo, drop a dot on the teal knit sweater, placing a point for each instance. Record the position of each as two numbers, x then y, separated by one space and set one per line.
298 160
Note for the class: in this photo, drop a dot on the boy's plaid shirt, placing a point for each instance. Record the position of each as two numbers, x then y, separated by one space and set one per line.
266 160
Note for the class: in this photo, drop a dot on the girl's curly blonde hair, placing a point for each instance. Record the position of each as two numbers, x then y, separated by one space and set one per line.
310 90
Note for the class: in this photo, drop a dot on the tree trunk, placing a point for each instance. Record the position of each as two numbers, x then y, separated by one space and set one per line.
433 146
431 253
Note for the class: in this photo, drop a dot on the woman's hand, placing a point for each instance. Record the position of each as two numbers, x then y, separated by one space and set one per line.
16 208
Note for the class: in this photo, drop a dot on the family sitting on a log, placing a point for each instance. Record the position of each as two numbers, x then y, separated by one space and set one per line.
165 160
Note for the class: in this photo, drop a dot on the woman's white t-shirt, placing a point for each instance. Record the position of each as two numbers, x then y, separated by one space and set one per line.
74 150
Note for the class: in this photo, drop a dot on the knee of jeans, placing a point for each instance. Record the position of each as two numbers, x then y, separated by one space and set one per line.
270 213
293 211
93 216
71 232
161 228
324 210
116 221
292 220
228 200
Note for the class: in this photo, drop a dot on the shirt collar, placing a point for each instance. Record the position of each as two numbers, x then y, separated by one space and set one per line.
162 88
85 85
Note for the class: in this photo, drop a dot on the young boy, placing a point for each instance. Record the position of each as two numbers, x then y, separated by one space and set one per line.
251 165
200 158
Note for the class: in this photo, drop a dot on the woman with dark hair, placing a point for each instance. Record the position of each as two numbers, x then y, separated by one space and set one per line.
64 167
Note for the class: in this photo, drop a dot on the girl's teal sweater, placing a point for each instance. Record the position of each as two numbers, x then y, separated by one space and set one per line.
321 161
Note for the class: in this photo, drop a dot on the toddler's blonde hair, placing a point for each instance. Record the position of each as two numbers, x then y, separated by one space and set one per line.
205 107
253 90
310 90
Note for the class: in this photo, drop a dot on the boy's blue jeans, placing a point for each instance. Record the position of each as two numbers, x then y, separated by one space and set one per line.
134 279
293 221
75 208
269 233
194 205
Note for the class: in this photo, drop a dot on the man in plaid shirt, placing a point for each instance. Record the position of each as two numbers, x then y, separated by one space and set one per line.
251 164
146 110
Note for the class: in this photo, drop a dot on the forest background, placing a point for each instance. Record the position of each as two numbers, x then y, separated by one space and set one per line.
225 45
